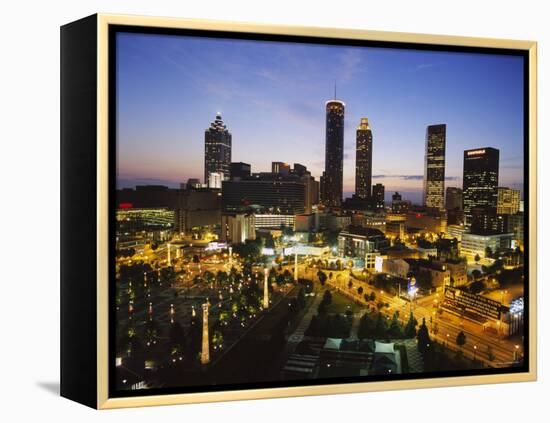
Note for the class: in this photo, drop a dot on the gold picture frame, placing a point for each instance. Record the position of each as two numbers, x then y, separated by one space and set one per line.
99 27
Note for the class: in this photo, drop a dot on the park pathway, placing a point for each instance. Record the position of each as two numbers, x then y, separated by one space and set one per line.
416 364
299 333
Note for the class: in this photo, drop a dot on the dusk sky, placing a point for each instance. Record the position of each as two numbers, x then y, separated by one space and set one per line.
272 98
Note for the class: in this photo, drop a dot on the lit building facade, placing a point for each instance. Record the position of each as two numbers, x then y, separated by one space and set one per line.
434 166
274 195
473 244
215 180
480 179
508 200
280 168
356 242
217 150
363 160
236 228
274 220
332 189
133 220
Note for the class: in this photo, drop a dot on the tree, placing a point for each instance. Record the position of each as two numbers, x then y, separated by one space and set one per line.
477 258
301 298
410 327
322 277
350 284
381 326
177 338
360 290
423 338
168 275
327 297
461 339
488 252
476 287
395 327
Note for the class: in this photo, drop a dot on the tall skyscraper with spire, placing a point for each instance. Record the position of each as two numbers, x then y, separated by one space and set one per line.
434 167
333 176
363 160
217 150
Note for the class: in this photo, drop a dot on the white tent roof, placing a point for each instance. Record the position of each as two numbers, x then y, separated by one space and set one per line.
382 347
333 344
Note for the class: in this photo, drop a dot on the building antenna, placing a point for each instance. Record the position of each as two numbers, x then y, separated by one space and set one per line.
335 89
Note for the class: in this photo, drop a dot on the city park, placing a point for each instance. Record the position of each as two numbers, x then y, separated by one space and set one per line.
182 313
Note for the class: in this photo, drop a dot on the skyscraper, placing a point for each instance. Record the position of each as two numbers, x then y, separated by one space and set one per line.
280 168
378 192
217 150
480 179
334 154
363 160
434 167
453 198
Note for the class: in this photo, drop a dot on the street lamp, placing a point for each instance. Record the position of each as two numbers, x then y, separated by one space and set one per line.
475 351
516 352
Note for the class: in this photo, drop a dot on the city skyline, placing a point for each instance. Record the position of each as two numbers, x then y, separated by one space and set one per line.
160 139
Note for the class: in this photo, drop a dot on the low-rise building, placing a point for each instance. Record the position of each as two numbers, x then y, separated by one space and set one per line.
396 267
357 241
236 228
473 245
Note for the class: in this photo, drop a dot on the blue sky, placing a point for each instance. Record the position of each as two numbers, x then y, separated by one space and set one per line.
272 95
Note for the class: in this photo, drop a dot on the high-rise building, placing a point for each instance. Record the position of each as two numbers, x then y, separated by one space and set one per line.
398 205
485 220
434 167
508 200
480 179
453 198
363 160
217 150
333 176
378 193
280 168
300 170
239 170
273 194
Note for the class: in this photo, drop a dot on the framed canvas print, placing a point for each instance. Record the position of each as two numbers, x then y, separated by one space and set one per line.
254 211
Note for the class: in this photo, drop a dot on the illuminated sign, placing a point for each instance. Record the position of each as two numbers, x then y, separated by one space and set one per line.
378 262
125 206
476 152
516 306
459 301
216 246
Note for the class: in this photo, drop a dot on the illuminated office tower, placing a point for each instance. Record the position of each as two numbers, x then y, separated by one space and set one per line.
363 160
217 150
434 167
333 176
480 179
